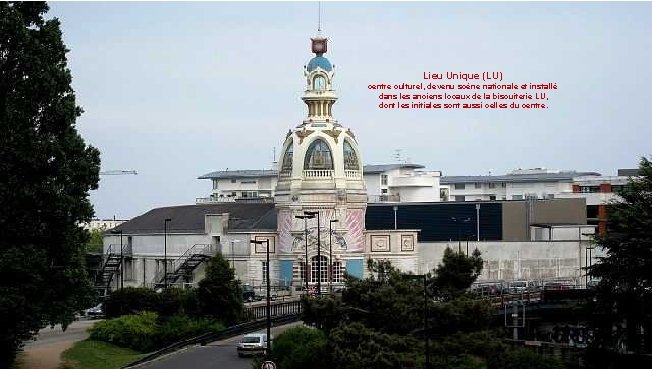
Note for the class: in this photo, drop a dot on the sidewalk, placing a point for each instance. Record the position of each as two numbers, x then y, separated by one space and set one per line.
45 352
44 357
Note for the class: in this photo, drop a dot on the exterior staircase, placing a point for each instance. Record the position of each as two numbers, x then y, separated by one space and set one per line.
185 265
110 267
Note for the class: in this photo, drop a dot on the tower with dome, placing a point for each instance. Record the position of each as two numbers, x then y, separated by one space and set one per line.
320 171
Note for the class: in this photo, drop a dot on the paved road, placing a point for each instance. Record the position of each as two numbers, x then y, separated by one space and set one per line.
216 355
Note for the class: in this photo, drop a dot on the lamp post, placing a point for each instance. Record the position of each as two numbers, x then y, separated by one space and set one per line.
588 255
425 312
233 255
165 252
268 308
467 243
305 263
313 213
121 259
459 231
330 256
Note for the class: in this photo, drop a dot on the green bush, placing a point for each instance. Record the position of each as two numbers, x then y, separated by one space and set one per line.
299 348
138 332
146 331
166 303
130 300
179 327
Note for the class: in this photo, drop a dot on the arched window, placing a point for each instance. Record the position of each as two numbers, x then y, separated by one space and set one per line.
286 165
314 269
318 156
319 83
350 158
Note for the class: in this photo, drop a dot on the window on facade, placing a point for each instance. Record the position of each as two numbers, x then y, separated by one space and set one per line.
318 156
492 197
350 158
215 181
264 272
492 185
459 198
319 83
233 194
590 189
338 272
383 179
503 185
314 269
233 180
249 194
383 191
248 182
459 186
299 270
478 185
517 197
286 164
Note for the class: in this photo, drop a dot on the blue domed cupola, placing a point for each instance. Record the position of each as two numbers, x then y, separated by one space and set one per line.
319 96
321 62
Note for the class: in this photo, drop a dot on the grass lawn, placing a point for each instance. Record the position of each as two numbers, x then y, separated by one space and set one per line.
91 354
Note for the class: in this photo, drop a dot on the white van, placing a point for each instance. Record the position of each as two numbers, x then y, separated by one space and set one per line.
252 344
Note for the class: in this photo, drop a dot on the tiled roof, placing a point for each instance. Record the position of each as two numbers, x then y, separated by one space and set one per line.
191 218
240 174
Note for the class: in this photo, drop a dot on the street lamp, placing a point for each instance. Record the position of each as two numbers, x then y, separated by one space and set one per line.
467 243
268 308
459 231
121 260
330 256
165 252
313 213
425 312
232 254
305 263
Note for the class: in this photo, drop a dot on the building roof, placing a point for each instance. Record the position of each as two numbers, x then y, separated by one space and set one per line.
191 218
225 174
368 169
532 177
371 169
628 172
319 61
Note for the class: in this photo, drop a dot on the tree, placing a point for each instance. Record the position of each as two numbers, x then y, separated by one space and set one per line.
299 348
95 241
456 273
46 173
219 294
623 301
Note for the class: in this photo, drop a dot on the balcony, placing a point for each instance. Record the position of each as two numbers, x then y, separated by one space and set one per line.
318 174
413 181
355 174
383 198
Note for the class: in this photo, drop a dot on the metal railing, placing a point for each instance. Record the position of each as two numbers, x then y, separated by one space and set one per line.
196 249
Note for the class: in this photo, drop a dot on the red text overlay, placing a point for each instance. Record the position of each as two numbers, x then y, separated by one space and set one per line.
457 90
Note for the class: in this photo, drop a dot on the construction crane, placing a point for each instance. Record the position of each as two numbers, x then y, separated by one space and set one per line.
117 172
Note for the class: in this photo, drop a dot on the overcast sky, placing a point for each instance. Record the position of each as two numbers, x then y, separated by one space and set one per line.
177 90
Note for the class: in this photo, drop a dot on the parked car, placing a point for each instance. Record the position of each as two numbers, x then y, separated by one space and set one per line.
94 312
252 344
